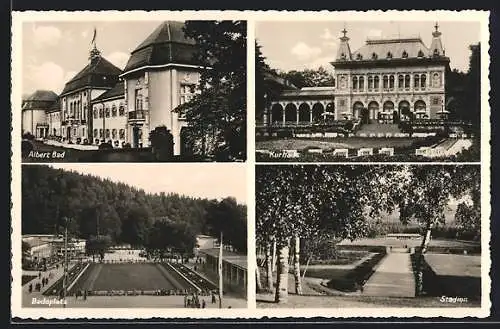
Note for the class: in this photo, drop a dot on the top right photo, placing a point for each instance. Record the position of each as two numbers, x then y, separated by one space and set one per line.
361 91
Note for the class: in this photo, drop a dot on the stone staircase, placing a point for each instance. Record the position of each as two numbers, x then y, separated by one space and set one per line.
377 128
393 276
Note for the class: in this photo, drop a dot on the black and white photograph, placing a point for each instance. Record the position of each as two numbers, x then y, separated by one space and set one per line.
133 91
97 237
377 236
360 90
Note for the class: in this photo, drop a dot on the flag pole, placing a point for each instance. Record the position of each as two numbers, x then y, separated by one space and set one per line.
220 272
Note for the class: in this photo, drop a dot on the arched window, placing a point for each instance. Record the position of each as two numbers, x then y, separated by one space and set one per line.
100 112
354 83
138 100
389 55
376 82
113 110
422 80
100 133
400 81
85 111
107 133
405 54
385 82
107 112
416 81
121 110
391 82
113 133
361 83
122 133
95 113
374 56
407 81
370 82
95 133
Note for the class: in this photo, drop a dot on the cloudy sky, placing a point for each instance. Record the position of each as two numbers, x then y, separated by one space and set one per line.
210 180
53 52
306 44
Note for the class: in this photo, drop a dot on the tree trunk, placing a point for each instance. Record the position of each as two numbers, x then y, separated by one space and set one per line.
296 265
419 284
257 279
269 268
281 295
307 265
273 268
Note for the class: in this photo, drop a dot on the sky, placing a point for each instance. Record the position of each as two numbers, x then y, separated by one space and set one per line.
210 180
54 52
309 44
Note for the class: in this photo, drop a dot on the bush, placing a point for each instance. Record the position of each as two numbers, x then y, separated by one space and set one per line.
78 140
28 136
162 143
116 143
86 141
105 146
126 145
26 147
96 141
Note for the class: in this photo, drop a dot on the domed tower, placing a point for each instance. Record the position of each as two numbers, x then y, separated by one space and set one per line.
344 51
436 49
161 74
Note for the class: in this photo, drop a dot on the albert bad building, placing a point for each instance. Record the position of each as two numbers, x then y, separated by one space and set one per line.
384 80
102 103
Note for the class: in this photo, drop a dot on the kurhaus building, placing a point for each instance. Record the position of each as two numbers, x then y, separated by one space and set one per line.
104 103
383 79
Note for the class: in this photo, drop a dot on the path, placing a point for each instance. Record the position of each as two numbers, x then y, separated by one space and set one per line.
393 277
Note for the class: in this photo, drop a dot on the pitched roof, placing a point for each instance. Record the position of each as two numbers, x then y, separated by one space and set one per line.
381 47
166 44
116 91
98 73
40 100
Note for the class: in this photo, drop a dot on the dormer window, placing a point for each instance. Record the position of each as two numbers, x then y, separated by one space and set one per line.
342 56
374 56
405 54
359 57
389 55
420 53
436 52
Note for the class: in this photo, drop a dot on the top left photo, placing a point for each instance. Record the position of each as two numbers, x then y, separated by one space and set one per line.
131 91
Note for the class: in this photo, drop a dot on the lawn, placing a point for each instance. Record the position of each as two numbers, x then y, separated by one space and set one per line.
104 277
344 257
332 143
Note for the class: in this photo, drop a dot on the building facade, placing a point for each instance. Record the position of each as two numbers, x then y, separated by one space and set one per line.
160 75
109 118
103 103
34 113
93 80
386 78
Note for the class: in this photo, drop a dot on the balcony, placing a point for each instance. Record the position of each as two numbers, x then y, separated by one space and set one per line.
139 115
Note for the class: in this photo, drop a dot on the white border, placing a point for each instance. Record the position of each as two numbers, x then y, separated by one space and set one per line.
251 16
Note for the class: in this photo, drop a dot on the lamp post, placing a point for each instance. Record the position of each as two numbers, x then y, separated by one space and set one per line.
65 277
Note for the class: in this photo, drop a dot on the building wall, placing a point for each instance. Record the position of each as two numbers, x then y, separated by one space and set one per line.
32 117
433 93
112 127
54 121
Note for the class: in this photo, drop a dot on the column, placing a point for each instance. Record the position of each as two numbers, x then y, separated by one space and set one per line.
310 113
284 112
297 113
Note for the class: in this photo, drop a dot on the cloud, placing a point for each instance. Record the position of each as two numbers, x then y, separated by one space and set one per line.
46 35
118 58
47 76
321 61
304 52
327 35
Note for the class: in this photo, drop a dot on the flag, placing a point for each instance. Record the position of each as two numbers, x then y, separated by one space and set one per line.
95 34
220 272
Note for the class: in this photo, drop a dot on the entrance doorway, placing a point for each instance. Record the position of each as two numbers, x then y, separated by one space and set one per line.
68 133
136 136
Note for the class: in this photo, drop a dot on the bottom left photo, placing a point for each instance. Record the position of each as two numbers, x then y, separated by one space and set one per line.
120 235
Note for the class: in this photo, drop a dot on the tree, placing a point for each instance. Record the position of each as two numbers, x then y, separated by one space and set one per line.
162 143
97 246
217 115
310 78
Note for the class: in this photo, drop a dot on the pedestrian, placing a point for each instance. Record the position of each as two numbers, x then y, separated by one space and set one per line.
213 298
185 301
30 288
203 304
85 295
39 274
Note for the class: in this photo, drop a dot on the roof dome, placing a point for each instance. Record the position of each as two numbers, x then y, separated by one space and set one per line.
40 100
167 44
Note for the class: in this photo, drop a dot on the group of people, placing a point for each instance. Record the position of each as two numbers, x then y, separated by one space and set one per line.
44 281
194 301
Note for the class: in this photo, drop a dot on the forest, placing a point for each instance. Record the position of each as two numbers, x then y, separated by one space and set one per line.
95 208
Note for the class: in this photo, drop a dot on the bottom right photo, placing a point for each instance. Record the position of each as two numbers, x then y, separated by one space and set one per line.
348 236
